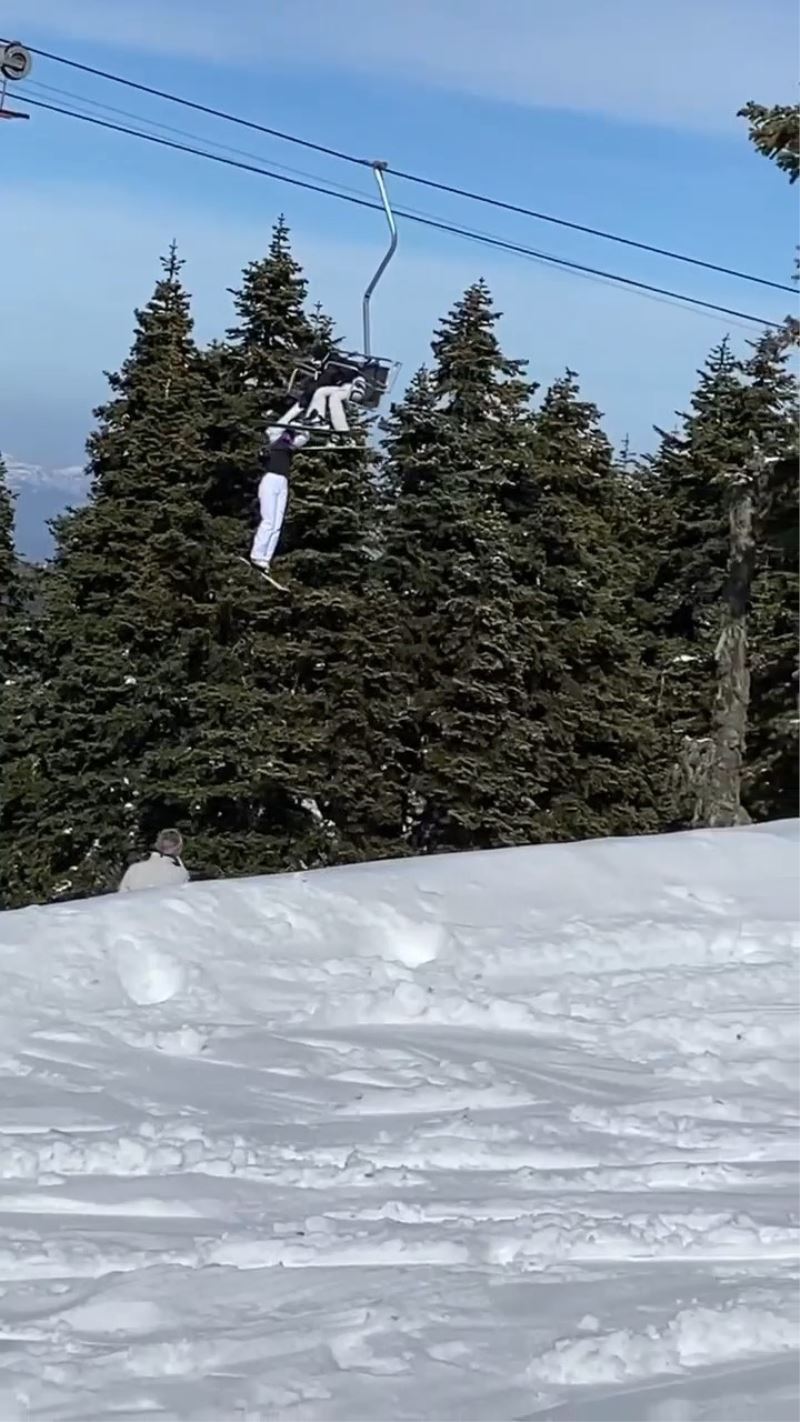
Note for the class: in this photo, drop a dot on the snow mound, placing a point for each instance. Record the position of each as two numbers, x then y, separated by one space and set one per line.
508 1135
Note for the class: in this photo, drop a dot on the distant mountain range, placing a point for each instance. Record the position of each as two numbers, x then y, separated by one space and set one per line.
42 492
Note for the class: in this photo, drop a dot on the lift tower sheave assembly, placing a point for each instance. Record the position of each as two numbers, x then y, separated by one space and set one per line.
15 64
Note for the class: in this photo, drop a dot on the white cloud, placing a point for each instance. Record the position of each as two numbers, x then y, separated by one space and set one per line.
686 63
22 475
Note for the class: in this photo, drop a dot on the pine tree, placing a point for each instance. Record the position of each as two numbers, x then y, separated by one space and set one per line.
308 657
740 410
775 133
248 376
771 783
771 786
324 666
20 680
593 695
690 545
463 753
131 626
9 590
11 704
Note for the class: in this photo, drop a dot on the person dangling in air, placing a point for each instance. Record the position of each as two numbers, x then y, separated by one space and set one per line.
273 493
319 408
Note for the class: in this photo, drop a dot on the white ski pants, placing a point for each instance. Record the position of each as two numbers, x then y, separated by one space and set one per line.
273 492
327 405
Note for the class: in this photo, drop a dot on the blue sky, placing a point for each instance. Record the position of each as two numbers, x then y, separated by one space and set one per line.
613 113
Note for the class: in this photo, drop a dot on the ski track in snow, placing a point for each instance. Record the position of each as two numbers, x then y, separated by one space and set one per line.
508 1136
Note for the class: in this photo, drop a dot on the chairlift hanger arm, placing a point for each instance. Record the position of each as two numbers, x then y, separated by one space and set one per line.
379 168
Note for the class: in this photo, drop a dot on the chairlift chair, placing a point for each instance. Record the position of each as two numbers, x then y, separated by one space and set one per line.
375 374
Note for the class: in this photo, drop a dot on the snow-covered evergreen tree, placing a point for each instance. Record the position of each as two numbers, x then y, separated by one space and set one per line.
464 751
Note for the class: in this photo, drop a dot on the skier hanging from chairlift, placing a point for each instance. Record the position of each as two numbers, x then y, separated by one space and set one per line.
321 392
319 409
273 493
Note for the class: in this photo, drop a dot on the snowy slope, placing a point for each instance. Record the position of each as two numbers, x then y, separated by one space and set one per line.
500 1136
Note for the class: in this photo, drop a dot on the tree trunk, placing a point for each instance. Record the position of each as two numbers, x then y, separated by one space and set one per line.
713 765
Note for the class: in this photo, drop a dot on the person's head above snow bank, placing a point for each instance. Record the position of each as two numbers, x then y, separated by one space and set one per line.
163 867
170 843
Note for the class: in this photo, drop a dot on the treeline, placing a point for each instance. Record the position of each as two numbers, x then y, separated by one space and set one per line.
495 630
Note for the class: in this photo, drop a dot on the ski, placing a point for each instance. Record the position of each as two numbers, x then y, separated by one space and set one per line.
312 447
268 578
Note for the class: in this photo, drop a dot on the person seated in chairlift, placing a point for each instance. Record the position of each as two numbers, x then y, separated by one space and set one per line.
321 406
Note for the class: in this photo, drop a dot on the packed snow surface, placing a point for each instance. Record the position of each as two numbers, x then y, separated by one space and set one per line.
501 1136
